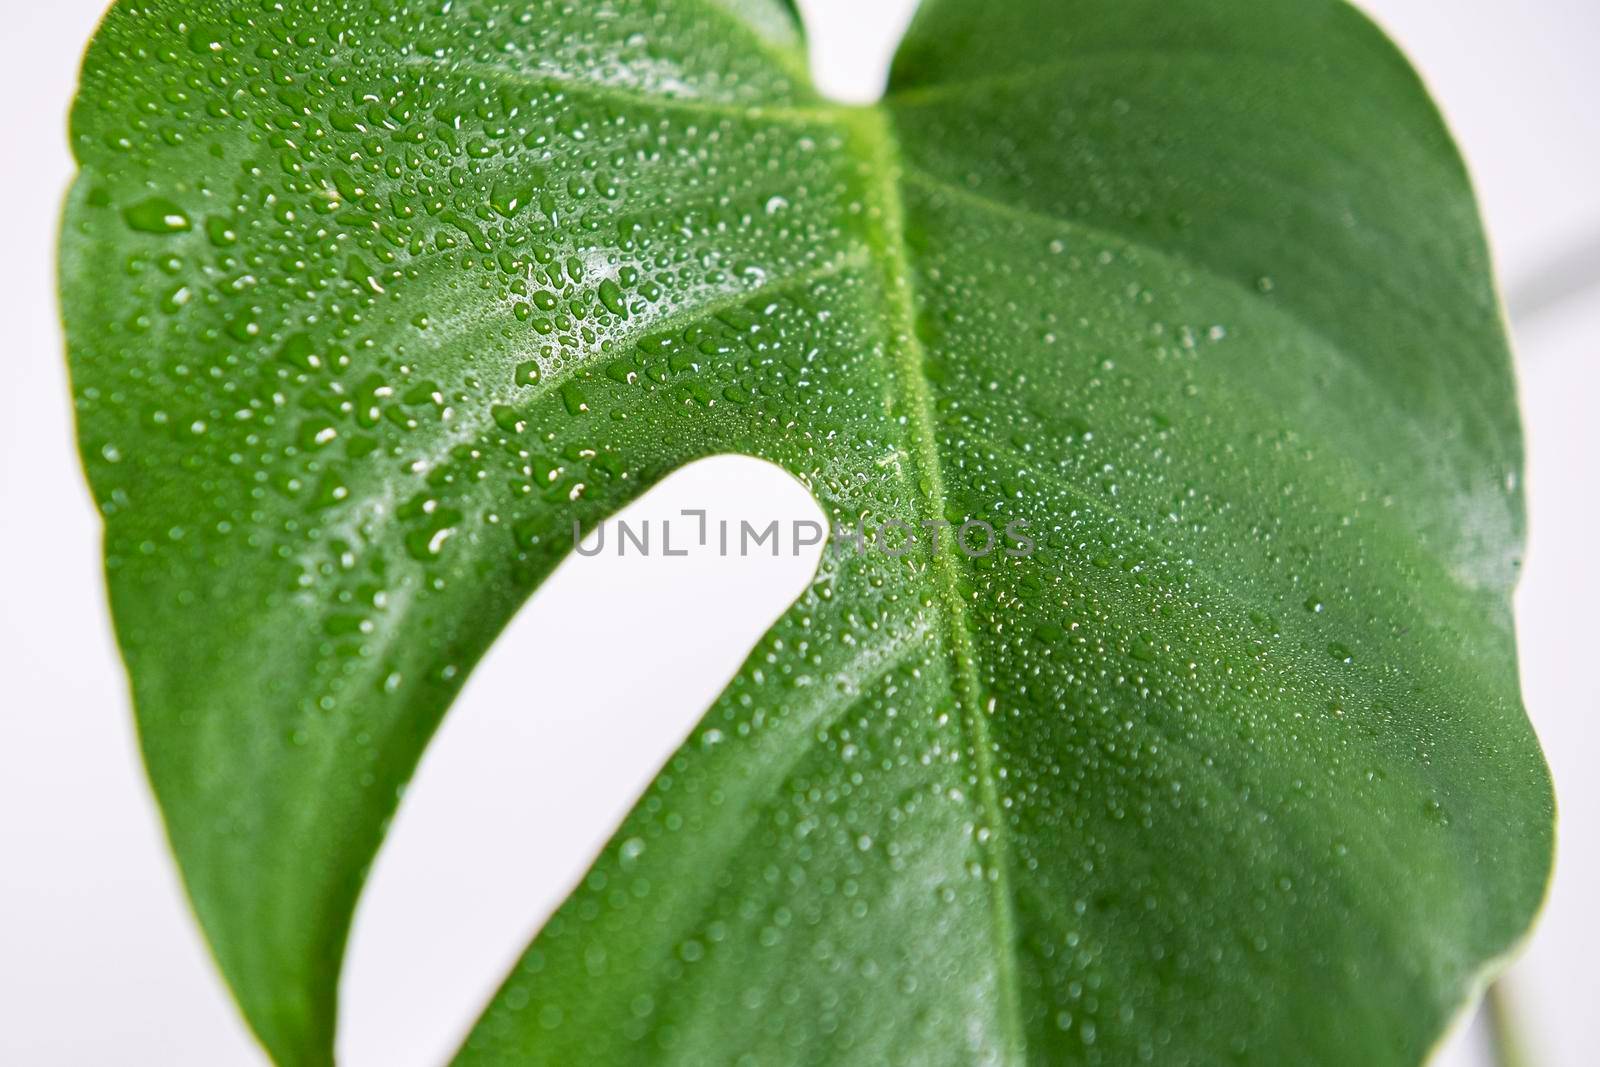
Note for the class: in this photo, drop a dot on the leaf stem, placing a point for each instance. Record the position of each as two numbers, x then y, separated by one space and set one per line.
1506 1047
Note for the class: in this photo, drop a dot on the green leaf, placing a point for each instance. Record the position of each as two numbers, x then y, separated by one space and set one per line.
369 301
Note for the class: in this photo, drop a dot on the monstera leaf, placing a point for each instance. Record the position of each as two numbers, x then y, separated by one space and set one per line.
368 301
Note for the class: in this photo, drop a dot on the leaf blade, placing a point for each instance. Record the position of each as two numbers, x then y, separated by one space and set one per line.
1389 1019
995 297
273 802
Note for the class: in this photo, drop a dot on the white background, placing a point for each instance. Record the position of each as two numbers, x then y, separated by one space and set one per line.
99 960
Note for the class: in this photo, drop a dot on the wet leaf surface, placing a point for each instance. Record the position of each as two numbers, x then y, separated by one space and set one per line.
1222 760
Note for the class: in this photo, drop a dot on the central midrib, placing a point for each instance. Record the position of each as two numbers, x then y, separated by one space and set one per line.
877 141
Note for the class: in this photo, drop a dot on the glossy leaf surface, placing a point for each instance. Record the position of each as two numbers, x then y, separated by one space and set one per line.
368 300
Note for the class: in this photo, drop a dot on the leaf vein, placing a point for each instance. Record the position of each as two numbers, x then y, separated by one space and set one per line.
910 371
984 202
554 81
